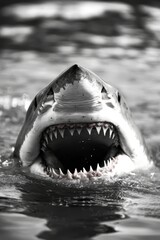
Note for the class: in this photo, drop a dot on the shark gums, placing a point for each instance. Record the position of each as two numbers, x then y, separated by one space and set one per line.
79 127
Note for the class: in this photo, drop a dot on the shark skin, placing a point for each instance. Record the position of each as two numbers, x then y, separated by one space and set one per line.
80 127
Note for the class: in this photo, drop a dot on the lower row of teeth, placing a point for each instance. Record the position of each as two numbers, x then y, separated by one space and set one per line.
82 174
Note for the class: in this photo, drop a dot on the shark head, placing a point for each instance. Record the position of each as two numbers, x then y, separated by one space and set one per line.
78 127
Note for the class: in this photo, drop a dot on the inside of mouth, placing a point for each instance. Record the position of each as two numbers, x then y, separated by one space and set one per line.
79 146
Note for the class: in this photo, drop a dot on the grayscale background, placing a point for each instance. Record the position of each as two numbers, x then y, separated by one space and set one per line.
119 41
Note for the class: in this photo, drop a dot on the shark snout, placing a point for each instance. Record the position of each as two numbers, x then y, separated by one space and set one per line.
79 87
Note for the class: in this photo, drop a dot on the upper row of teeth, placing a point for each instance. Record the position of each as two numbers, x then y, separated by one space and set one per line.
83 174
54 132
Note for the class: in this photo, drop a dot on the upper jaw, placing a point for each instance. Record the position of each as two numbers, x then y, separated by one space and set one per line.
59 113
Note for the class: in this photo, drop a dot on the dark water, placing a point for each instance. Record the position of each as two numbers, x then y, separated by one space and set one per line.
118 41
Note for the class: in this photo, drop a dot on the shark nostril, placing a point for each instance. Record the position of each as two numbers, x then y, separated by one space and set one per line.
109 104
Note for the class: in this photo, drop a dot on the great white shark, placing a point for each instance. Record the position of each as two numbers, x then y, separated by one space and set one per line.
80 127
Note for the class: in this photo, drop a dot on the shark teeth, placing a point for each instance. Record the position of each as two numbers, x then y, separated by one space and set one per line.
79 130
104 131
69 174
46 138
107 168
61 131
61 173
89 130
110 133
53 132
51 136
98 129
72 131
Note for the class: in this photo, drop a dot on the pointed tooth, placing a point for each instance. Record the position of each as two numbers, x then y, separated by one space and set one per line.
84 171
43 148
76 174
50 170
43 104
69 174
110 165
105 164
44 144
54 174
61 132
51 136
110 132
90 169
113 135
98 167
46 138
72 131
98 128
89 130
104 130
109 162
75 171
60 172
55 133
79 130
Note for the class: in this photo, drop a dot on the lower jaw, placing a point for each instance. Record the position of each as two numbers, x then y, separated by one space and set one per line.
83 174
117 166
83 161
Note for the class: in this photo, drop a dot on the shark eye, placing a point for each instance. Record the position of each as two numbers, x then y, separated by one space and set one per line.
118 97
32 108
35 103
103 90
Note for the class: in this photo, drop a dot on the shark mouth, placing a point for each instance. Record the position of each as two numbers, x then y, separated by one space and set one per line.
80 150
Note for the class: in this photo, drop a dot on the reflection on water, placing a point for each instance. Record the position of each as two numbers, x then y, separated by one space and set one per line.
17 226
118 41
86 211
22 227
